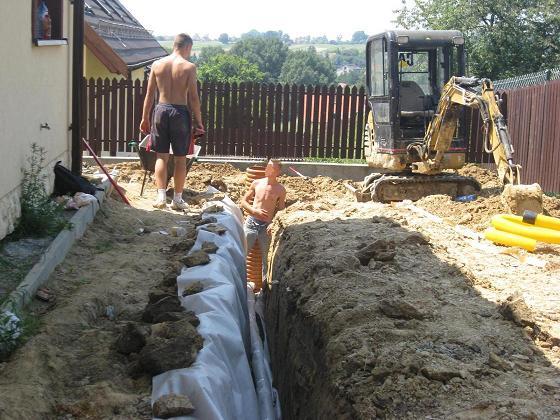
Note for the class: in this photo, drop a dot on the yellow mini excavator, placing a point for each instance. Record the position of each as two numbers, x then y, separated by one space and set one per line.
416 127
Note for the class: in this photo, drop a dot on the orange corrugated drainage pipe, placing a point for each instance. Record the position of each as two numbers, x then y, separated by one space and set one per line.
254 257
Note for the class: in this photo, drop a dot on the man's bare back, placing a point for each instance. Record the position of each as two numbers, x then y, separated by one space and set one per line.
174 76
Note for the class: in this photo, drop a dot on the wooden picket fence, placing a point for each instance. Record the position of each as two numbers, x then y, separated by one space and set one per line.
249 119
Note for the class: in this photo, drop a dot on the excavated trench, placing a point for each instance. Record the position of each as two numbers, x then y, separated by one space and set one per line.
366 319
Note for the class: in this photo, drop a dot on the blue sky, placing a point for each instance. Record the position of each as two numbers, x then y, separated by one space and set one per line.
295 17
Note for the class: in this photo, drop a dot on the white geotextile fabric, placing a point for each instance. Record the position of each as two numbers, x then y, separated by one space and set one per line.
219 383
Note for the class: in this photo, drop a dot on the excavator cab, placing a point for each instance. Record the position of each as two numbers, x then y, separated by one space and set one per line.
406 71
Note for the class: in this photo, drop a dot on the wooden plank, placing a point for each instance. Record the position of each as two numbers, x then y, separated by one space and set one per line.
300 122
554 122
211 121
114 113
248 119
337 122
138 103
261 145
285 119
255 121
241 118
360 123
277 145
97 145
122 115
270 120
233 120
226 138
308 101
330 122
203 89
321 142
129 131
352 123
345 115
293 122
84 110
106 114
219 133
314 120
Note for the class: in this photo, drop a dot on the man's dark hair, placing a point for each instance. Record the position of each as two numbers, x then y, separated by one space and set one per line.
181 41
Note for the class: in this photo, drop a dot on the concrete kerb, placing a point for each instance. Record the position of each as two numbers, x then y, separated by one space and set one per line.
337 171
54 255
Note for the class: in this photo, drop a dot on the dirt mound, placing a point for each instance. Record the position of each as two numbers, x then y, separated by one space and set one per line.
488 178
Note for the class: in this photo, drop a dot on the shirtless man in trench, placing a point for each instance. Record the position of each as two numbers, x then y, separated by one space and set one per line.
175 79
268 196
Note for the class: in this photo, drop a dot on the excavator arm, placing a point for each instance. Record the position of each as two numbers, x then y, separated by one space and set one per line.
462 92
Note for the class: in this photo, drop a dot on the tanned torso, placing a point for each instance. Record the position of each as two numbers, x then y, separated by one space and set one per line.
173 77
267 197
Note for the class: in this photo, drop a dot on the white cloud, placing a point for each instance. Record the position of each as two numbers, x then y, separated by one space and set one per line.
295 17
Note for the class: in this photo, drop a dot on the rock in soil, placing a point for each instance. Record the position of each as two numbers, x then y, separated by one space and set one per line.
399 309
193 289
177 351
214 209
209 247
131 339
159 310
380 250
215 228
515 309
172 405
196 258
206 221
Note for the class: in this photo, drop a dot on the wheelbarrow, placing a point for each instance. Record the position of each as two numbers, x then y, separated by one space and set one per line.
148 158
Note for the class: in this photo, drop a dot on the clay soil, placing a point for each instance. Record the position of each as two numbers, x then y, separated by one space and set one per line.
424 329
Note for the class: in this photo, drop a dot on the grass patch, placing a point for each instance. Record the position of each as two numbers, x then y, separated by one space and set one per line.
104 246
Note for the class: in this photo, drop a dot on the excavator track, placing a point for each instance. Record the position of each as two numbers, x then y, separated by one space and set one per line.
395 187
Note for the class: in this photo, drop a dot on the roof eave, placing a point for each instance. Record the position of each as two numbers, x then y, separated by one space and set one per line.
104 52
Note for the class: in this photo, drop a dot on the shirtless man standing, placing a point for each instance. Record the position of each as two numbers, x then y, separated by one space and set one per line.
175 78
268 196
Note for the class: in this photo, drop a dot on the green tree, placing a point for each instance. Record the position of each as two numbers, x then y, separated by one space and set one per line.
353 77
308 68
359 37
229 68
207 53
223 38
267 52
503 38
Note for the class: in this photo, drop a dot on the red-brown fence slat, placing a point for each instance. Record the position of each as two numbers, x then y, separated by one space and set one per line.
129 130
114 122
263 109
277 146
98 146
330 122
337 122
293 121
322 121
300 122
352 123
106 113
360 122
138 104
314 120
233 119
307 125
203 94
210 140
84 110
285 119
270 120
345 114
219 132
246 90
255 119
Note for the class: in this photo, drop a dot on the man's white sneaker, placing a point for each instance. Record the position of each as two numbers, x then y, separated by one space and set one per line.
159 204
179 205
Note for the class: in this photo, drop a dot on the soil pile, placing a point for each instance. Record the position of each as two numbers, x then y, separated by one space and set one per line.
379 320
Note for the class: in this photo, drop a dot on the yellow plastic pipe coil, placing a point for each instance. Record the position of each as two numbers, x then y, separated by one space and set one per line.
510 239
525 231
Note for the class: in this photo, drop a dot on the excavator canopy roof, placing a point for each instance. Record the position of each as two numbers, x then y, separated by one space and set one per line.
422 38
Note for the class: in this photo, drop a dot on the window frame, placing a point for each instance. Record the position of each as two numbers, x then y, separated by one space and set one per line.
56 12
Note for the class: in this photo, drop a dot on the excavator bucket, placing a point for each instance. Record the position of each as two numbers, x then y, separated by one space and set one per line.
518 198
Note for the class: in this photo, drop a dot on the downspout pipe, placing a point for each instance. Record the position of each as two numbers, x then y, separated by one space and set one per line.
77 81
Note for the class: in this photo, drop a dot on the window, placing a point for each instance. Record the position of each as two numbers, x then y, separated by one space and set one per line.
48 22
413 67
378 51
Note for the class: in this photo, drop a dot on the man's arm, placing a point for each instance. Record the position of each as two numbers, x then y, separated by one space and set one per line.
246 203
146 123
194 103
